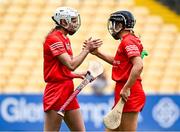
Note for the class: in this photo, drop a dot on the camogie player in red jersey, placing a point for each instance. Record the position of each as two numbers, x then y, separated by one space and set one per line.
127 67
58 66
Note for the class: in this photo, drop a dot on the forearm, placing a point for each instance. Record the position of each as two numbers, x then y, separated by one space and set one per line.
109 59
76 61
73 63
134 74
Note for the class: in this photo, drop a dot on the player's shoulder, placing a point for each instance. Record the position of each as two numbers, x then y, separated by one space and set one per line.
131 39
51 39
53 36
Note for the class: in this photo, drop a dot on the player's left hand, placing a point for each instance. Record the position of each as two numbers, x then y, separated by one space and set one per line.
81 74
125 92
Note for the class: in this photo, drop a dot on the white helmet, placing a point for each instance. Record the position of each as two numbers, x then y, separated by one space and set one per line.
70 15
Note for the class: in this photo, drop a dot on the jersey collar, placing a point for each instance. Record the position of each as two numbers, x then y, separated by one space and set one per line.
125 35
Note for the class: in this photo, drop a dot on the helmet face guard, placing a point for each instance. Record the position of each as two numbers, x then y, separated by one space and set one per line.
73 25
119 21
71 18
114 28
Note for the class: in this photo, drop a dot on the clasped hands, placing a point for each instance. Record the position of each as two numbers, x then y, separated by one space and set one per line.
91 45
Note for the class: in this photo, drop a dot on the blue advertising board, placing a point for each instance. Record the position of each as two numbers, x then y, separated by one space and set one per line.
25 112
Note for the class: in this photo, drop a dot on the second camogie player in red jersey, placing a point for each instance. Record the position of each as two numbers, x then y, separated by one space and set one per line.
127 67
58 66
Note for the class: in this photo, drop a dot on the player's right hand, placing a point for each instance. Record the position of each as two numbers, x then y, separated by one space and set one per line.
91 45
95 51
125 93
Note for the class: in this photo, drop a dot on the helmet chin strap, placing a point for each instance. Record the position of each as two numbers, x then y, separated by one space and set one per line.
116 35
71 32
128 29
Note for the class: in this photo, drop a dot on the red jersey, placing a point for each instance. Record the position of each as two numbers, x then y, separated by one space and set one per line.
130 46
58 77
56 44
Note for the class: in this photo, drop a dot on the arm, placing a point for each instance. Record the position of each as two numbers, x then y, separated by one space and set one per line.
109 59
73 63
135 71
134 74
